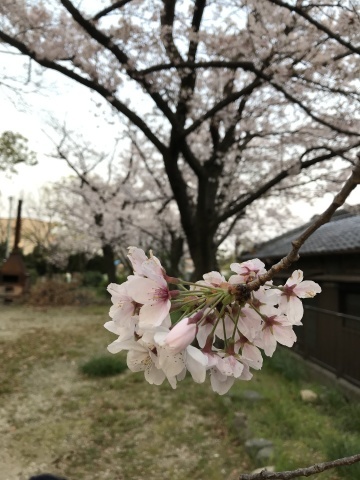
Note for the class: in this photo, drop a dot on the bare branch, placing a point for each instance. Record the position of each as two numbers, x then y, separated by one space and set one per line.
354 94
301 472
229 64
352 182
188 81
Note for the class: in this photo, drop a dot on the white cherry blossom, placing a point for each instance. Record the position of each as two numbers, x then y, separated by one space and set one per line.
294 289
141 359
246 271
174 363
124 307
154 295
231 324
276 328
137 257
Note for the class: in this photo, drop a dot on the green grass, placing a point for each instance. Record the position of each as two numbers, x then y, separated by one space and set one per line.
66 409
338 447
287 365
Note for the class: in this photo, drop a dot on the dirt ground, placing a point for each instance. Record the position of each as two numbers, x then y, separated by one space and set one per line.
30 389
54 419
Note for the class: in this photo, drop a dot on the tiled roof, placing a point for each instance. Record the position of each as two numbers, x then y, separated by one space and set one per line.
341 235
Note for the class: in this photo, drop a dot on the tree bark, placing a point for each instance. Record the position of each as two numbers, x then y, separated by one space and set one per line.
109 258
176 252
203 254
203 249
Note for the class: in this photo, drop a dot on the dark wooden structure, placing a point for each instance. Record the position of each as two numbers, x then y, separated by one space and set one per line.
13 276
330 335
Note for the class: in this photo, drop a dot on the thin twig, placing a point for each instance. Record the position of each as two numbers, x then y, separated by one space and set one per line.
301 472
325 217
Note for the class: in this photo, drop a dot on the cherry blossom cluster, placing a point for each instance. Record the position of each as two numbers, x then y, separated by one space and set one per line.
221 325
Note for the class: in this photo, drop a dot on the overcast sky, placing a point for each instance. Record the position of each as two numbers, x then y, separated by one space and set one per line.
31 114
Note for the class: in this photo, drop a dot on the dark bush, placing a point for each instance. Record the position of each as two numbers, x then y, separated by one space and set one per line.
104 366
92 278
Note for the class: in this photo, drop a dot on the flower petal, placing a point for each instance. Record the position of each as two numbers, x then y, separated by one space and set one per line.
120 345
196 363
137 360
296 277
284 335
137 257
154 315
252 356
269 342
295 310
172 364
142 290
221 384
154 375
307 289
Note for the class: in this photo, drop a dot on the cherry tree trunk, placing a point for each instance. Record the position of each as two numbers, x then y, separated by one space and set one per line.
203 254
201 238
176 252
109 259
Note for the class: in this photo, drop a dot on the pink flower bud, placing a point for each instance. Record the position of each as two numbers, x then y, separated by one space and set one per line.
181 335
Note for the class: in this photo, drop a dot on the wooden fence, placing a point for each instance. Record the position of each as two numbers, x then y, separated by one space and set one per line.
332 340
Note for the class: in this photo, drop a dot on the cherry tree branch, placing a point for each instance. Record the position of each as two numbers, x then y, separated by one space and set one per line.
233 209
227 232
199 8
300 11
109 9
302 105
121 56
167 23
250 67
352 182
222 104
187 85
301 472
147 166
80 175
231 65
91 84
